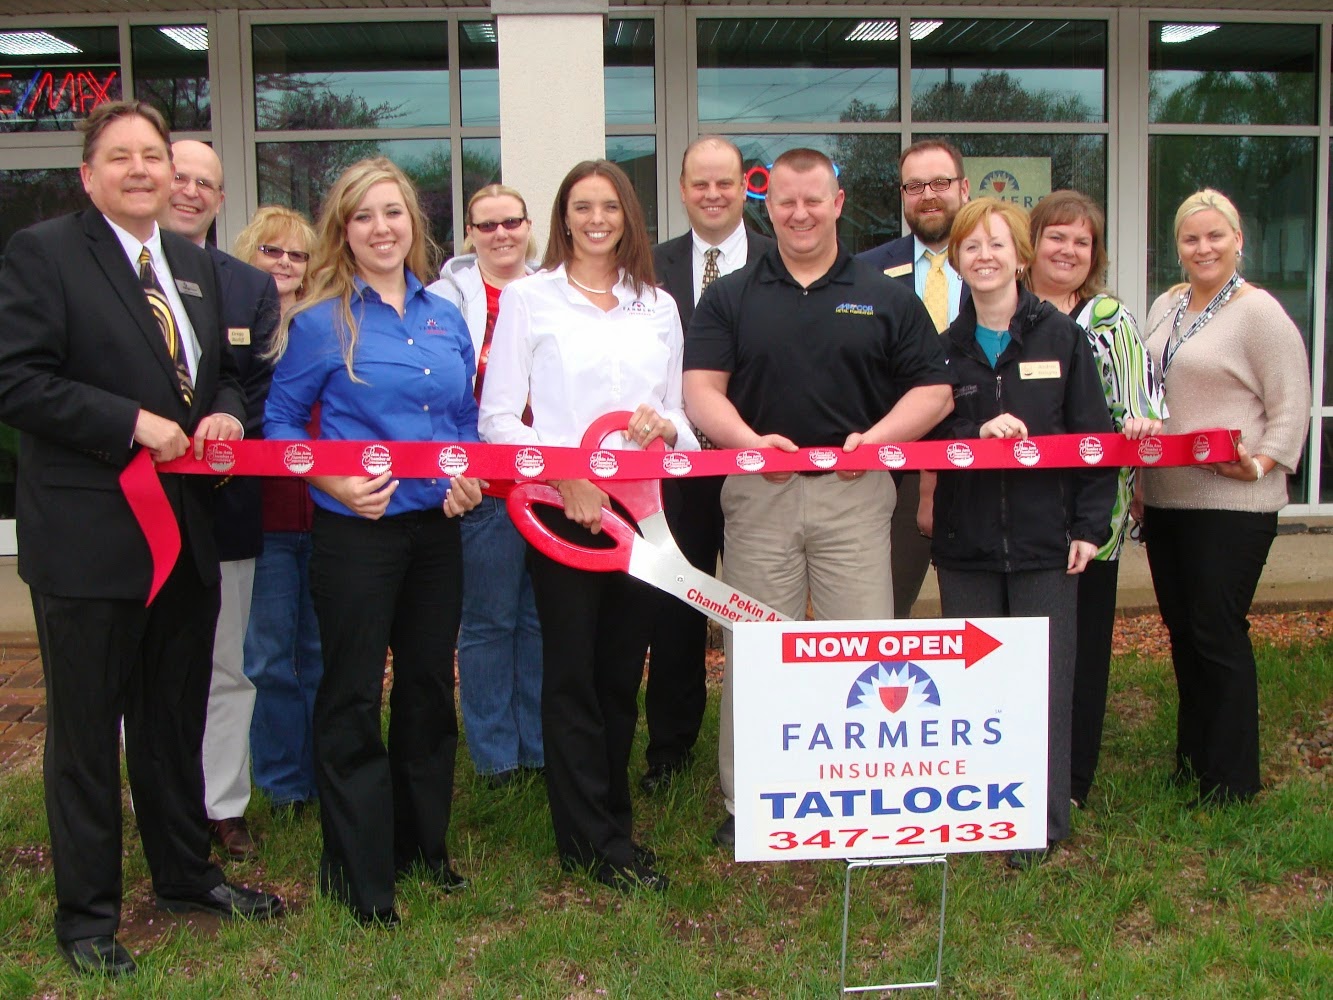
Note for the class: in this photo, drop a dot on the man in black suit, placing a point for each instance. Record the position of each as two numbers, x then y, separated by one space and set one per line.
250 315
712 188
934 188
111 341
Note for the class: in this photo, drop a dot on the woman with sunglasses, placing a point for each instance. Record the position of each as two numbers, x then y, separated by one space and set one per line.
500 641
282 656
386 361
587 335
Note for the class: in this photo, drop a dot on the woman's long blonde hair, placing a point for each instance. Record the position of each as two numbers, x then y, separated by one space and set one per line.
333 268
275 224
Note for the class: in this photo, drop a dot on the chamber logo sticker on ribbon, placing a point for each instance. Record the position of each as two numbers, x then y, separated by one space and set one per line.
298 458
453 460
750 460
959 454
603 463
892 456
677 463
529 462
1027 452
1091 450
376 459
1150 450
1201 449
219 456
823 458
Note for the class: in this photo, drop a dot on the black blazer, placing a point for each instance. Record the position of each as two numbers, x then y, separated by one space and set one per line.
891 256
674 263
250 314
80 354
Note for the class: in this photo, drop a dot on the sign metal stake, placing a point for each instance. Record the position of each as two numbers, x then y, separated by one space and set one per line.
935 859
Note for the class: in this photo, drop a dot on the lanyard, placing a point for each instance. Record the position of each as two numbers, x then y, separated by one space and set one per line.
1177 340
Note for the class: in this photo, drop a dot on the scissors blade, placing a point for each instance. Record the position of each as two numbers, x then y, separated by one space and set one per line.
668 571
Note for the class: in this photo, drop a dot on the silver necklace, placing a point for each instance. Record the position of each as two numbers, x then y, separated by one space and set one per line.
590 291
1177 340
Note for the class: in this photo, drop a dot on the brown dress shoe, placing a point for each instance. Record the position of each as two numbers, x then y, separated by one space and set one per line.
233 837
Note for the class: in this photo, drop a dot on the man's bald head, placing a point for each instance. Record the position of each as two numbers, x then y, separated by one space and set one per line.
196 193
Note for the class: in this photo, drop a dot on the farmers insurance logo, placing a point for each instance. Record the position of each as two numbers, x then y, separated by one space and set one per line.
999 182
892 685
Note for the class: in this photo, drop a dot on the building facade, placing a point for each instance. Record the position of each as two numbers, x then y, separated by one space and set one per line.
1136 106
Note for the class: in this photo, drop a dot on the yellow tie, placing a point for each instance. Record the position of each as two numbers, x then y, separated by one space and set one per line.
937 291
166 322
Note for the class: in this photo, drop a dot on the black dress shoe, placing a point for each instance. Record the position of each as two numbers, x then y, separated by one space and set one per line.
659 776
1030 858
387 919
645 856
725 835
100 955
501 779
631 878
227 901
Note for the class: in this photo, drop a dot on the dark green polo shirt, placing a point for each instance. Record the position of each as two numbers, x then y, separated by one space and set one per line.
814 364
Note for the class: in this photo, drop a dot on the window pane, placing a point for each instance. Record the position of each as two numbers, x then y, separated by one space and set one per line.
323 76
70 71
1328 306
867 171
978 70
627 53
760 70
1232 74
479 72
1025 168
299 174
481 166
30 196
1271 180
1325 444
171 73
637 156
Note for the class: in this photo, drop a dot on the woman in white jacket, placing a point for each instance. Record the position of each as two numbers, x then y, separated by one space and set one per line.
499 643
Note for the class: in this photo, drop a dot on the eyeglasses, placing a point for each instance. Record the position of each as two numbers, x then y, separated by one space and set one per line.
202 183
297 256
938 185
489 227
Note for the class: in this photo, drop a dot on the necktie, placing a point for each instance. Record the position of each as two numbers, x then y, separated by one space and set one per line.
166 322
936 297
710 275
710 268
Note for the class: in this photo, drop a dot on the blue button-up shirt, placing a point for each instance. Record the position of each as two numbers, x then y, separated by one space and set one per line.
415 374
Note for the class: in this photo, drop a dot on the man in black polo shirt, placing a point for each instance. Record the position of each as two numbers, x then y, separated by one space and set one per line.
809 347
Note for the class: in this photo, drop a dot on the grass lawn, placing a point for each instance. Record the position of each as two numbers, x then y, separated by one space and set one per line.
1147 899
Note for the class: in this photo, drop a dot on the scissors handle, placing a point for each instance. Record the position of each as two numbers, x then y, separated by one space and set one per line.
520 503
615 422
641 497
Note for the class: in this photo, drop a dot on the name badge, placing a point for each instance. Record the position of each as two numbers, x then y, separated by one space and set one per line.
899 270
238 336
188 288
1039 369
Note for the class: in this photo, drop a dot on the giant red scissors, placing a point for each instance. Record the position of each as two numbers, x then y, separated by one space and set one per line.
649 554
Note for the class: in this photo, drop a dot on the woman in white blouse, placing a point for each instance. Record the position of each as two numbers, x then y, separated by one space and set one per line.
586 335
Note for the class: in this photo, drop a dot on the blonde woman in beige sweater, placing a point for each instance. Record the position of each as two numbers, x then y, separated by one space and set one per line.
1232 358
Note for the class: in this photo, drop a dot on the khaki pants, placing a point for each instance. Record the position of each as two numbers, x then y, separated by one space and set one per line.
816 538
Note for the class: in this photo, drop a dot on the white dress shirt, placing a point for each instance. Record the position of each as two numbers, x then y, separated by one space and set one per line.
734 251
573 362
922 268
132 247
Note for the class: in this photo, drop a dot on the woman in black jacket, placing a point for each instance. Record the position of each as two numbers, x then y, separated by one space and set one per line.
1011 543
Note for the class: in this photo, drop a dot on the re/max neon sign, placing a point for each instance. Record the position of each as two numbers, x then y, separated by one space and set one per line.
756 180
51 92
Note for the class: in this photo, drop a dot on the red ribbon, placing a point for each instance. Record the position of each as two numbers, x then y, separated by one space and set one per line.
499 462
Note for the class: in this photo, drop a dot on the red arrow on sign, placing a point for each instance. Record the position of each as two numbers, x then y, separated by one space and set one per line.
968 644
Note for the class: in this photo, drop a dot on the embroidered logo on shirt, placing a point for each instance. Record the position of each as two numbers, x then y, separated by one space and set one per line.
959 391
854 309
433 327
637 308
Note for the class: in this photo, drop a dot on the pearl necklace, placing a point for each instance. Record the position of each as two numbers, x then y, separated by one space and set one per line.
590 291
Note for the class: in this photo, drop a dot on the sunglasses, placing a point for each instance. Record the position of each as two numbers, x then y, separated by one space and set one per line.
299 256
490 227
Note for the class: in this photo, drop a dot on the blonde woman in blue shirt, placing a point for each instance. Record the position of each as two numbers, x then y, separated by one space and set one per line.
385 361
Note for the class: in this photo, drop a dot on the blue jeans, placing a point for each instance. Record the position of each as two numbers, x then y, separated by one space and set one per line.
283 662
499 645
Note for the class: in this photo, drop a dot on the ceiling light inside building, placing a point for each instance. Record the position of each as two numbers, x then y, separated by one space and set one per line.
34 43
920 29
194 37
873 31
479 32
1174 34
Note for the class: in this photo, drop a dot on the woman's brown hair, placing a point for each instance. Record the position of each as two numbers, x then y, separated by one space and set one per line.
634 253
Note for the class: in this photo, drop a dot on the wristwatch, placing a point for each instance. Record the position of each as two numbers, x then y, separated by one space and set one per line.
1259 471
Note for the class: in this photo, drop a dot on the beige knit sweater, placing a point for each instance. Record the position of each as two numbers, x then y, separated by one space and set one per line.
1245 369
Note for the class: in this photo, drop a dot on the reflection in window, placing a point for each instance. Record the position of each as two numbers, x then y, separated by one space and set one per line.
1324 442
481 166
627 53
980 70
299 174
1234 74
479 72
351 75
637 156
868 169
761 70
61 75
30 196
1328 311
171 73
1271 180
1025 168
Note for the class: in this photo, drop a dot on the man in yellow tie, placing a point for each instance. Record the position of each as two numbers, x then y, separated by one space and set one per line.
933 189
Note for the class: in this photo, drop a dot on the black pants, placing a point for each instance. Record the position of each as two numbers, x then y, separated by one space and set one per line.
392 584
1206 566
595 629
104 659
1050 594
1092 670
676 692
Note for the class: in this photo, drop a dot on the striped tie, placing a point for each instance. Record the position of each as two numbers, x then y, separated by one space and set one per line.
166 322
